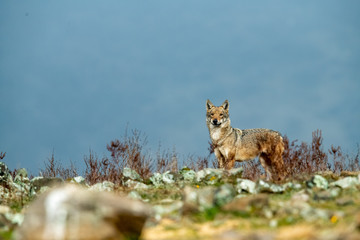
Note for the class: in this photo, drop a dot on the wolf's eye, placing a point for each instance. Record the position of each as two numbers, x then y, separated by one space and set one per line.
221 114
212 114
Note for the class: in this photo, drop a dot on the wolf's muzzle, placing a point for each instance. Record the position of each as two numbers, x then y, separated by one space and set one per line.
216 122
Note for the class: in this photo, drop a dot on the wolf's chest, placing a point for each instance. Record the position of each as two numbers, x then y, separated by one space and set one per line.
216 134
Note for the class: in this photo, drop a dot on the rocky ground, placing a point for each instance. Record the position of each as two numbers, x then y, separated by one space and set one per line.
208 204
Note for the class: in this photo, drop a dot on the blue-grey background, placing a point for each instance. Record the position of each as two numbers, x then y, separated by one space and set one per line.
75 74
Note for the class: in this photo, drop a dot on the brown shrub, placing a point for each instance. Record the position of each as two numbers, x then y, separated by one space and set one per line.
2 155
166 160
304 158
200 162
54 169
299 159
129 153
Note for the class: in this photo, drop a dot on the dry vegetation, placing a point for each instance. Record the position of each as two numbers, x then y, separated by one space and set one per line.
305 159
300 159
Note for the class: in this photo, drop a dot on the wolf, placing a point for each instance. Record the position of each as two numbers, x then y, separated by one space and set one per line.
232 144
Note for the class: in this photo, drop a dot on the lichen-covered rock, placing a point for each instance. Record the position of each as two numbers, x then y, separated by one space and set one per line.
172 209
347 182
135 185
224 194
198 199
255 204
38 182
103 186
292 186
263 186
168 178
156 180
318 182
79 180
236 172
129 173
328 194
209 175
72 212
134 195
188 174
5 223
5 176
21 176
245 185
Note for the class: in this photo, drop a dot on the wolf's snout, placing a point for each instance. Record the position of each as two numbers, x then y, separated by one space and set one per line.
215 122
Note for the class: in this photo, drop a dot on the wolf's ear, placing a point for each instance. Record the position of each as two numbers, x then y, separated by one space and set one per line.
225 105
209 105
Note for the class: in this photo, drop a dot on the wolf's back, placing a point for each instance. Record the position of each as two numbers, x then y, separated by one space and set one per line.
260 135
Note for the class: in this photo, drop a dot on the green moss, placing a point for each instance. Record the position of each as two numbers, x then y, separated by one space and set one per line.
6 235
208 214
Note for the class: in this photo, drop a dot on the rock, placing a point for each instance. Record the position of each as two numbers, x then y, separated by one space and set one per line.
172 209
206 198
5 176
16 219
162 180
224 194
245 185
357 221
135 185
310 214
209 175
250 204
21 189
129 173
4 209
265 187
71 212
198 199
5 223
292 186
344 201
79 180
190 199
38 182
134 195
317 181
327 195
347 182
156 179
21 176
236 172
188 174
301 196
168 178
103 186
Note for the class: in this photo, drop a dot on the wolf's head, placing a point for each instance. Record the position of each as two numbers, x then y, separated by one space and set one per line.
216 116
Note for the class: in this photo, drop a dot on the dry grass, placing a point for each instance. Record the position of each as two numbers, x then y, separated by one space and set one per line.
130 151
54 168
200 162
305 159
2 155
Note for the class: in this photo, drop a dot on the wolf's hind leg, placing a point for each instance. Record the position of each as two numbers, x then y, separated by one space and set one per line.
266 163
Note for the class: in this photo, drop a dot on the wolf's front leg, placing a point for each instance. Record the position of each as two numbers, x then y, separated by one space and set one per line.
230 161
220 158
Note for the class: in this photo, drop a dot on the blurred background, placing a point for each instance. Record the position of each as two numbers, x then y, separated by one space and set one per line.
74 75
